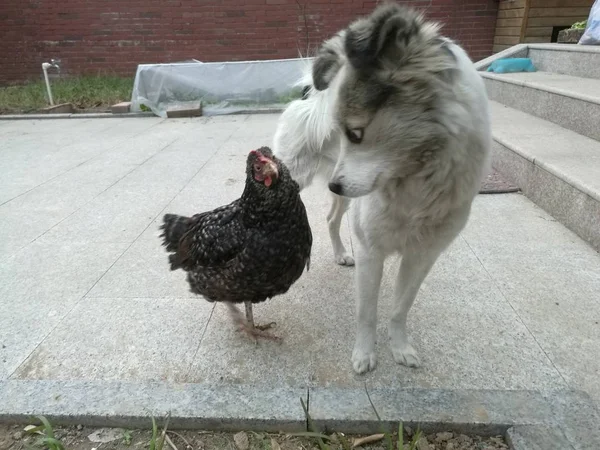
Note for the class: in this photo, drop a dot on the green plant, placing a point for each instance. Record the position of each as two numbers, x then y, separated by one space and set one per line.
127 437
579 25
47 439
157 442
324 442
83 92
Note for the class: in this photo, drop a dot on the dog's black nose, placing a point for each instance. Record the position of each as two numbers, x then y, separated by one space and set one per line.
336 188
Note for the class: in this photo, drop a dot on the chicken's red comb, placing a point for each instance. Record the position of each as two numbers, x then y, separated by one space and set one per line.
259 154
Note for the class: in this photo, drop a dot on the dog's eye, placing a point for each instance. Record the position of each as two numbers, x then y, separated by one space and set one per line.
355 135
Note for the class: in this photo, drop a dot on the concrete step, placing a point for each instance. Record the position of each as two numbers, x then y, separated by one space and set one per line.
556 168
567 59
571 102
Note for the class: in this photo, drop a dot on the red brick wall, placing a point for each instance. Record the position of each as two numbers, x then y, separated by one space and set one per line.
113 36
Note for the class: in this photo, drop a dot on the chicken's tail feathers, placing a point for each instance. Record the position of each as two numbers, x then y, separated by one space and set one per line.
175 262
173 228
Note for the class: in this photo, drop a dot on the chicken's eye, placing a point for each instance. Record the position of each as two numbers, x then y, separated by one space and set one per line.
257 167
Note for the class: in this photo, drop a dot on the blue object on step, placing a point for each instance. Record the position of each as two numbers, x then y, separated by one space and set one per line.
509 65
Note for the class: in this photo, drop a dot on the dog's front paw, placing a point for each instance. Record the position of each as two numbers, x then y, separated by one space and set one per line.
344 259
362 361
406 354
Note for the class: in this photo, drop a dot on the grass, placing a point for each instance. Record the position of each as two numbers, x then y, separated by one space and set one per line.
84 92
100 92
343 443
47 439
161 438
127 438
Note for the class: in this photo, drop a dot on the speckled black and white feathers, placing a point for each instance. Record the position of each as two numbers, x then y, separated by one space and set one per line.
252 249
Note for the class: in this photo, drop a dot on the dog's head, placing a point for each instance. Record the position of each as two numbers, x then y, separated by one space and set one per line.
387 70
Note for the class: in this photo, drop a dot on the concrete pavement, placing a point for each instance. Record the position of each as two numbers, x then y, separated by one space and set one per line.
86 295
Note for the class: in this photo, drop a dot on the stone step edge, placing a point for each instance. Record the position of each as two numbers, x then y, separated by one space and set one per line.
541 87
551 169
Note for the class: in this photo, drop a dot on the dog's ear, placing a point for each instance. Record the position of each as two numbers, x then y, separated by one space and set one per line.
447 71
327 63
384 34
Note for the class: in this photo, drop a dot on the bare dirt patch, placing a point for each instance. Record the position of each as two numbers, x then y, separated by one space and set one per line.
13 437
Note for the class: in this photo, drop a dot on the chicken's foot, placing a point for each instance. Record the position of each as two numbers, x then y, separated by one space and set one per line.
250 319
247 325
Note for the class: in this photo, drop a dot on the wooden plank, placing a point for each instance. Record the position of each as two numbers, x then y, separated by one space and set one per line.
553 21
510 31
559 12
499 48
538 39
509 22
507 40
511 13
560 3
525 19
508 4
539 31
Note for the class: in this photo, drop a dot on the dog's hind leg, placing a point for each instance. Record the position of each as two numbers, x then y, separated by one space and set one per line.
369 270
339 206
416 264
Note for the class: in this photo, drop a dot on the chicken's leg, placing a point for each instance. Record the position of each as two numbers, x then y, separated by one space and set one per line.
250 318
247 324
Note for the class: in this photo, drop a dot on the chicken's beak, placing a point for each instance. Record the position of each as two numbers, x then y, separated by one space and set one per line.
270 170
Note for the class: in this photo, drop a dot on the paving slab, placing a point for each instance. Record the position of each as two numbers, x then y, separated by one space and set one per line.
549 279
39 286
111 319
25 324
122 339
316 319
124 210
29 159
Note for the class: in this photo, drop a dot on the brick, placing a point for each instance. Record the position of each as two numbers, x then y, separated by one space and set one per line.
90 39
194 111
121 108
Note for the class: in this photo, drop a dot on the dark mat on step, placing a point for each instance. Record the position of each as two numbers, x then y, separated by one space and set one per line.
495 183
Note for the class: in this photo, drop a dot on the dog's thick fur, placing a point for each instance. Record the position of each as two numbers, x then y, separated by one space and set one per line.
398 120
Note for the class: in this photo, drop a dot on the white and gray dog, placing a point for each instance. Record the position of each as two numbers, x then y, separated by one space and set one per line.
397 120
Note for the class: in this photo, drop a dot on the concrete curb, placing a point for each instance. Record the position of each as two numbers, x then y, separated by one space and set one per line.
125 115
191 406
528 418
74 116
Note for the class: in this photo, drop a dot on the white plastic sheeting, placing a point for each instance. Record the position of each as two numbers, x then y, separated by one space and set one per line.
223 87
591 35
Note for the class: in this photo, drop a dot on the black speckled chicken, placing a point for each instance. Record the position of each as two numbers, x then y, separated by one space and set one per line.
249 250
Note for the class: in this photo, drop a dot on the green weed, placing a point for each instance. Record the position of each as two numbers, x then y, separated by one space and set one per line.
325 442
47 439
